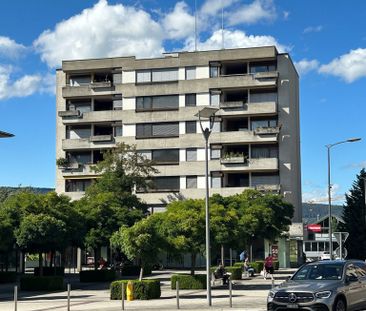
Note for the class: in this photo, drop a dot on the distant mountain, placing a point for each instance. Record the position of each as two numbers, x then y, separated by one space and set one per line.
311 212
8 191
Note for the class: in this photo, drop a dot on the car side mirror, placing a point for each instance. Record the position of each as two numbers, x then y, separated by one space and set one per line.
351 278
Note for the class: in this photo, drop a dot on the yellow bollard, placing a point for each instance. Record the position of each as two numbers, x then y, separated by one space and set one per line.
129 291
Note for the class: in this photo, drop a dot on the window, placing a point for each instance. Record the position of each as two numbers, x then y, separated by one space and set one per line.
191 154
143 76
150 130
214 70
118 131
263 67
166 156
166 183
81 105
307 247
265 179
78 132
216 180
190 73
263 123
191 127
215 153
157 75
191 182
190 100
80 80
79 157
215 99
77 185
150 103
262 96
259 152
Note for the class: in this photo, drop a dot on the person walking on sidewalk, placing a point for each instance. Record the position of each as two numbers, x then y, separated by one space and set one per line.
268 266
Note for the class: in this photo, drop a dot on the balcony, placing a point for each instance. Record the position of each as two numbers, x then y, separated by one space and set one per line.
267 130
266 75
100 85
80 170
269 188
232 104
69 113
101 138
234 159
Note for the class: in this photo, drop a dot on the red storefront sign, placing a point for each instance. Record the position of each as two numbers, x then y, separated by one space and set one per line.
315 228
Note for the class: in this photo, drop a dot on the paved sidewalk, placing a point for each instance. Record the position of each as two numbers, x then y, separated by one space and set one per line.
249 294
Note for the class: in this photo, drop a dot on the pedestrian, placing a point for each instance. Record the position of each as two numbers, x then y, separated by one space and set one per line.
220 273
268 266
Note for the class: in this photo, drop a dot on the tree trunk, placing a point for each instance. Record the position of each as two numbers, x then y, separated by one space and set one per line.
193 263
222 255
40 263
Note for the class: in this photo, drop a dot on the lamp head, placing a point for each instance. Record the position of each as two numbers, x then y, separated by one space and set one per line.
206 112
352 140
5 134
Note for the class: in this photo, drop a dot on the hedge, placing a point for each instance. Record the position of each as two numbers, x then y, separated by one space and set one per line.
50 271
134 270
258 266
46 283
8 277
187 281
97 275
143 290
236 272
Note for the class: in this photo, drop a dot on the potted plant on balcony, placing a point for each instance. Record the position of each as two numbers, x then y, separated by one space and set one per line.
62 162
234 157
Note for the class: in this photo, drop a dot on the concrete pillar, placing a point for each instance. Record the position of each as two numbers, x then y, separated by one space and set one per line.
78 259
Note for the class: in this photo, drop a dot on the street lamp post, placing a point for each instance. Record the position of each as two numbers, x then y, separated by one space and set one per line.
207 113
350 140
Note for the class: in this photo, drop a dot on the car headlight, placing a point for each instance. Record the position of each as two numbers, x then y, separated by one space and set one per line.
271 294
323 294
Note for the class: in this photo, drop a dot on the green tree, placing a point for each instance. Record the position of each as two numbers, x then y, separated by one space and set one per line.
354 218
7 238
141 242
110 202
183 225
41 233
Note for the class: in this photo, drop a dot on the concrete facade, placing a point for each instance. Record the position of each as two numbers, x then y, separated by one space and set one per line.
254 144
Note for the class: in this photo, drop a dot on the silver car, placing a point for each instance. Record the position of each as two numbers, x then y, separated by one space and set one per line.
329 285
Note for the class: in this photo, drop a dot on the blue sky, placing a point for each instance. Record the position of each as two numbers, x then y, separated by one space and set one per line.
326 41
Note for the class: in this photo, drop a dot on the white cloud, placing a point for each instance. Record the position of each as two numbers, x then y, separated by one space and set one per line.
234 39
320 195
101 31
349 67
252 13
23 86
313 29
359 165
304 66
212 7
9 48
179 23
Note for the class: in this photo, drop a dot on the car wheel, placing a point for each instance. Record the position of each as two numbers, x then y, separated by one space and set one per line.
340 305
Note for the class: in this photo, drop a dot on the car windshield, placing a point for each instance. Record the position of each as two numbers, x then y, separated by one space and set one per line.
319 272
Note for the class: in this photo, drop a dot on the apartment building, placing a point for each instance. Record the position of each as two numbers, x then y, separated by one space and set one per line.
152 103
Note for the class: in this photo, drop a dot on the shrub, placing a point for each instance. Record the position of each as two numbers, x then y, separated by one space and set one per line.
239 264
134 270
143 290
46 283
236 272
258 266
97 275
187 281
8 277
50 271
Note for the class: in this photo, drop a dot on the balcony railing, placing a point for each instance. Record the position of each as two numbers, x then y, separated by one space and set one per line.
101 84
234 160
69 113
101 138
267 130
233 104
271 188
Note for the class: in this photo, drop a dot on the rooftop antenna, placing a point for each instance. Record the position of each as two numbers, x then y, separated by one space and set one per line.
222 26
195 25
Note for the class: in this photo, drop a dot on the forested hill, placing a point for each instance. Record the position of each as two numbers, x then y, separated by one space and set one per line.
7 191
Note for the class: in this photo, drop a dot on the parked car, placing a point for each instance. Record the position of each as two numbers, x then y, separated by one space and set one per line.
325 256
330 285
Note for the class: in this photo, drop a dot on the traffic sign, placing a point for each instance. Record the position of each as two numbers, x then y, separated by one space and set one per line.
341 237
344 252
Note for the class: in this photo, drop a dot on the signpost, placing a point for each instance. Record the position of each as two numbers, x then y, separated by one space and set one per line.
341 237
